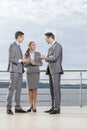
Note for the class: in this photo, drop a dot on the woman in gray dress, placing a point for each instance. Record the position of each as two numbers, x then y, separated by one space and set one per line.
32 73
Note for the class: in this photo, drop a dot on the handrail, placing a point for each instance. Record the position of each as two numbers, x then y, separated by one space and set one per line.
80 71
65 70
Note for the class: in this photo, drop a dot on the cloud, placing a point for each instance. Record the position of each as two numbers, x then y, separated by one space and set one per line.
42 10
67 19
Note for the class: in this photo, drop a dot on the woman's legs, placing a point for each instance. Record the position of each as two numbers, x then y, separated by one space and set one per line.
30 93
34 98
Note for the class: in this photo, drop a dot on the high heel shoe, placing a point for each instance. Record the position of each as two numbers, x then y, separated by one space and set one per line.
34 110
29 110
32 107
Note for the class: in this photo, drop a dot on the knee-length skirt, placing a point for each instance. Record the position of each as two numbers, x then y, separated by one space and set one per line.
33 80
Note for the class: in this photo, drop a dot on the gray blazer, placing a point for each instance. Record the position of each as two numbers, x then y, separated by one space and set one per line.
34 68
54 59
14 55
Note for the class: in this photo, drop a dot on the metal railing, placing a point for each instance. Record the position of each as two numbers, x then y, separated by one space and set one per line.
80 79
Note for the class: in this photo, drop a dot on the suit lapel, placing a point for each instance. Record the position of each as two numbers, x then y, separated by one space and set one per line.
35 55
52 48
19 50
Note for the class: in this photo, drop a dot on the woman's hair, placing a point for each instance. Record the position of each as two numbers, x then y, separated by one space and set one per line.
27 52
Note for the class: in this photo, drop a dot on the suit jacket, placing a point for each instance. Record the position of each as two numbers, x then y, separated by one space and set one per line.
14 55
34 68
54 59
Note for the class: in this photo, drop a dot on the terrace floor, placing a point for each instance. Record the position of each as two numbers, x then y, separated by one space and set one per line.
71 118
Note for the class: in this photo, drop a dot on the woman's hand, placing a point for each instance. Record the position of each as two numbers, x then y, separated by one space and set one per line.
32 62
26 60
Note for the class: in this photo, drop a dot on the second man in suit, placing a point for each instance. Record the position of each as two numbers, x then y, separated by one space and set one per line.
54 70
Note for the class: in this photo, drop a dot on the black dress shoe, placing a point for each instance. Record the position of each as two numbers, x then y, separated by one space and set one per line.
55 112
34 110
49 110
20 111
9 112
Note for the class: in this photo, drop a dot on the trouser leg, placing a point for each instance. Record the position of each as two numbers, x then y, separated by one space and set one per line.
18 91
56 90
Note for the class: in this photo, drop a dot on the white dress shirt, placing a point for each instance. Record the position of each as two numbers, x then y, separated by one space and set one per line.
53 43
32 55
17 43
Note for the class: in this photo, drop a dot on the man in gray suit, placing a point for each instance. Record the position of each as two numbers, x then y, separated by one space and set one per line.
54 70
15 67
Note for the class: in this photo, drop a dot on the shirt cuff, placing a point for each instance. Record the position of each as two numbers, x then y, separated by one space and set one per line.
20 60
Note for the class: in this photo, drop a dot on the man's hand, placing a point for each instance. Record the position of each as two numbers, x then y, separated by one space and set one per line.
42 57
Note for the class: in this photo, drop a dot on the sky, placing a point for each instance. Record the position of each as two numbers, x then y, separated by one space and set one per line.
67 19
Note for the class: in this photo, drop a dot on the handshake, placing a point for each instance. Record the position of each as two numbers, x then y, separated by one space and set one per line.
42 57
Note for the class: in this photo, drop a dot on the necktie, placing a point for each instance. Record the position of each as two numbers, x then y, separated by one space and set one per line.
19 48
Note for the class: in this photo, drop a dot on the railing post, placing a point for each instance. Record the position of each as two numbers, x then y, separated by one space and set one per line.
80 89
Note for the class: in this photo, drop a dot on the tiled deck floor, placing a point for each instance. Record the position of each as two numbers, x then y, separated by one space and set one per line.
71 118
